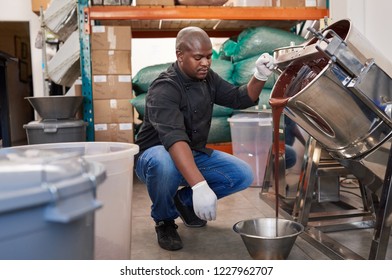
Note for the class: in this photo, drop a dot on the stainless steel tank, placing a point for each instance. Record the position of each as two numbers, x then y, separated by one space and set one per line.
336 85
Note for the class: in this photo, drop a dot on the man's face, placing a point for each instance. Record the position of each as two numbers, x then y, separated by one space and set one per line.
195 61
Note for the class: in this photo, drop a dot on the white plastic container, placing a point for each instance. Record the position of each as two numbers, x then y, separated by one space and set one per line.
47 204
113 220
251 136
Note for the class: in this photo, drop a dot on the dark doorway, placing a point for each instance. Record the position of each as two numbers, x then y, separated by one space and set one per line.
15 82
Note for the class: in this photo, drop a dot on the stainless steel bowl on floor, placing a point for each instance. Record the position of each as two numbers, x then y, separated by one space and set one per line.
268 238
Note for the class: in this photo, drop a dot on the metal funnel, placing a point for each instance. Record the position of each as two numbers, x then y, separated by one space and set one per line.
56 107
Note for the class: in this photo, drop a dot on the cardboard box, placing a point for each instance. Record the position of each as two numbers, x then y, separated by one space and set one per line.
36 5
111 38
113 111
155 2
111 62
78 92
299 3
311 3
290 3
249 3
322 3
111 2
114 132
116 2
112 87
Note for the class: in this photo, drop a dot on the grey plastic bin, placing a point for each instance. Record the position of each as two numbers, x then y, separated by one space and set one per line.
113 227
47 205
55 131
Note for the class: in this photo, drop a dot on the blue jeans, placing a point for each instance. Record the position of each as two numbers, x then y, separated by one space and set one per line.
224 173
290 156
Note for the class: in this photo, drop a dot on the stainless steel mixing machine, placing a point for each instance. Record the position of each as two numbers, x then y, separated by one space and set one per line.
337 86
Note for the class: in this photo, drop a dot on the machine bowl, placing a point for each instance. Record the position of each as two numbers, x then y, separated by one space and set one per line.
268 238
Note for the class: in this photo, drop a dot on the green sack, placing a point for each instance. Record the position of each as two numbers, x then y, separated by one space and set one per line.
244 70
262 105
221 111
227 49
223 68
145 76
143 79
139 103
264 99
257 40
220 131
215 54
220 128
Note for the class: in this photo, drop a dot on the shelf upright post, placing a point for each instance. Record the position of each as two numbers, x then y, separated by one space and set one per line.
85 67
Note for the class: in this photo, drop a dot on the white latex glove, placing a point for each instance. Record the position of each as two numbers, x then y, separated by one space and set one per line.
264 66
204 201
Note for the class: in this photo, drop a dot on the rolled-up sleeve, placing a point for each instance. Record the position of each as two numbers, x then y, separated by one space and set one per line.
165 113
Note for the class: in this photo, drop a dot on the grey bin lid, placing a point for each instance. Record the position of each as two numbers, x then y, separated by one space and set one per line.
34 177
54 124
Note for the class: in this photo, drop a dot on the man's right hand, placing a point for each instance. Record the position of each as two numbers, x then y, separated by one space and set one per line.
204 201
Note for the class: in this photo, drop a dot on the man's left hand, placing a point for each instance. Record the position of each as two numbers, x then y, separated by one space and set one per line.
264 66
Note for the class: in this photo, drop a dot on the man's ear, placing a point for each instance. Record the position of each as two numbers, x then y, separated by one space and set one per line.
179 55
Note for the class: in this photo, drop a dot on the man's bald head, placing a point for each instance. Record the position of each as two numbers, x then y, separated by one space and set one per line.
194 52
190 37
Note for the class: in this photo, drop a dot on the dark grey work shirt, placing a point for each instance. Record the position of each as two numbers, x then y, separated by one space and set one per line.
179 108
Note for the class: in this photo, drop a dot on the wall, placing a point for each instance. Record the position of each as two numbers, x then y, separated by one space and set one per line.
147 52
20 10
370 17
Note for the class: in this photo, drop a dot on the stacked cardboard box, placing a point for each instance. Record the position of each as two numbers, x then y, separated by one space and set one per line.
155 2
111 2
36 5
299 3
112 83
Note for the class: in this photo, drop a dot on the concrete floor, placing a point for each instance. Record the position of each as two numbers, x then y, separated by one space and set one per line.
218 240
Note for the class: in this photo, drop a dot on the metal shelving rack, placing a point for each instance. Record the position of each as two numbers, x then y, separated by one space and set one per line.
202 14
85 68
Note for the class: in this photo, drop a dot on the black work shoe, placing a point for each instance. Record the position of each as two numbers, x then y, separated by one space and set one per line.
167 235
187 214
